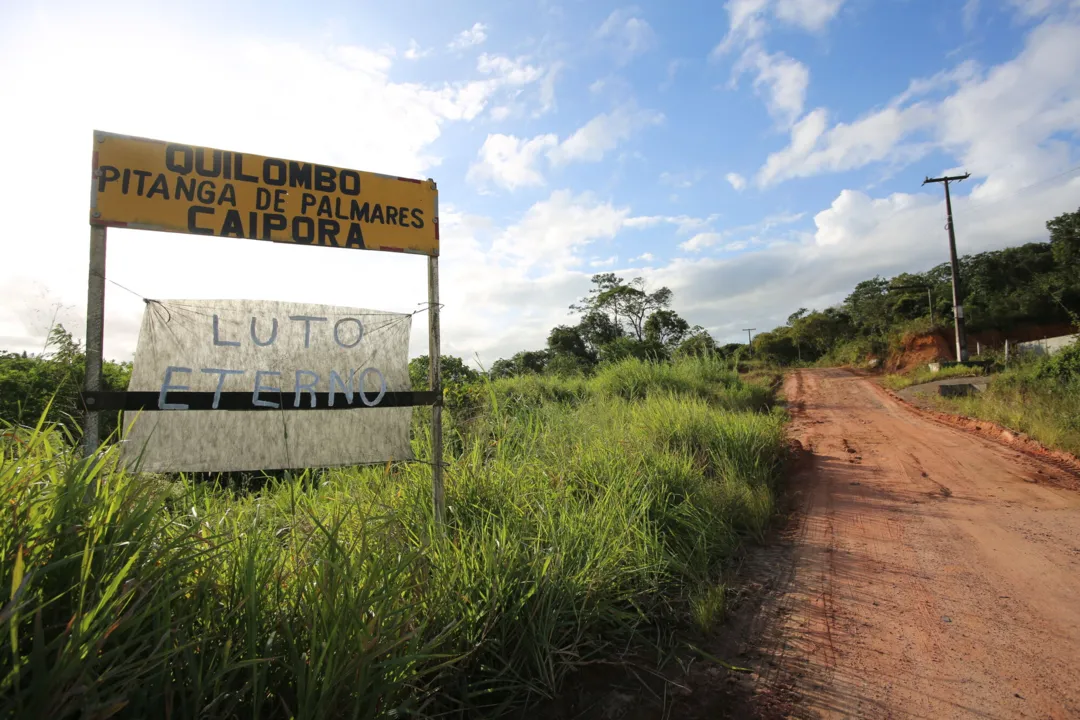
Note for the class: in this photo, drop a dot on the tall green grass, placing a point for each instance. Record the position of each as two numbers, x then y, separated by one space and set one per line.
1024 399
578 525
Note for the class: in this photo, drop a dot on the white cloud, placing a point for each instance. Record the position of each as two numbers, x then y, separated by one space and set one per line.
970 14
713 238
475 35
602 134
547 87
811 15
745 23
1004 124
684 224
630 35
673 70
514 71
781 79
681 180
877 136
748 20
415 52
606 262
644 257
553 231
1037 8
702 241
508 161
736 180
942 80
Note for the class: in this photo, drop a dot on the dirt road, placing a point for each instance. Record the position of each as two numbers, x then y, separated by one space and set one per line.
934 574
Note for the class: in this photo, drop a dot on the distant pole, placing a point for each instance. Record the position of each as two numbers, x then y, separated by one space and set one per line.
749 340
930 302
958 309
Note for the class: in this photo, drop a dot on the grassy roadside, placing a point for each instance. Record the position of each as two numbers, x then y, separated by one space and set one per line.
922 375
1048 411
1038 396
585 517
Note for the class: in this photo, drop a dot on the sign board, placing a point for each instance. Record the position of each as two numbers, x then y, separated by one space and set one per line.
172 187
338 364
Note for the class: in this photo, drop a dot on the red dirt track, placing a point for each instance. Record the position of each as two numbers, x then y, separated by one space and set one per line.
934 573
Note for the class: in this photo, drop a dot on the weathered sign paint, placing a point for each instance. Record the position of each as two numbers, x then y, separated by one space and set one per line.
310 354
173 187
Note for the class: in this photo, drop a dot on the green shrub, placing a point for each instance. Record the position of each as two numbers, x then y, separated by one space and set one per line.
1063 366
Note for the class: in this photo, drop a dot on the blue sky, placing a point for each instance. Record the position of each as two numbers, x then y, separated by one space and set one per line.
756 156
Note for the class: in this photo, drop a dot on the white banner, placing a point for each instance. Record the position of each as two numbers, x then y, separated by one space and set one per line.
263 348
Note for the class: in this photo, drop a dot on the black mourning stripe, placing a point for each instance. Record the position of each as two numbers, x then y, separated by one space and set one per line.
148 401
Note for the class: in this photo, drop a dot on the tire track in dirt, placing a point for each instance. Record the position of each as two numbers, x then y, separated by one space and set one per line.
932 574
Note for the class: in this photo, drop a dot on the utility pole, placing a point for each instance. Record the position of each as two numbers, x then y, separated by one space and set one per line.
958 309
748 340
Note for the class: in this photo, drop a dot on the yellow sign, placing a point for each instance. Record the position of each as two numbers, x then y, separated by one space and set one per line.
153 185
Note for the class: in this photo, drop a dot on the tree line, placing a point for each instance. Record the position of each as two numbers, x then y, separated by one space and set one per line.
618 319
1037 282
30 385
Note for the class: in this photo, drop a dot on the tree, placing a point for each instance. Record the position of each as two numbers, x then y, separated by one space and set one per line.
522 363
567 340
603 298
566 365
816 333
628 347
627 305
640 305
454 371
597 329
730 350
30 384
777 345
665 327
697 343
501 368
868 307
1065 240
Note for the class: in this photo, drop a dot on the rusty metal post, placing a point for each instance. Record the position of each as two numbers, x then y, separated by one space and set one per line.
95 335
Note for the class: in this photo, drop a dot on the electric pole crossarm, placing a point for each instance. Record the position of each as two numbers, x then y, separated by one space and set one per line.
947 179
